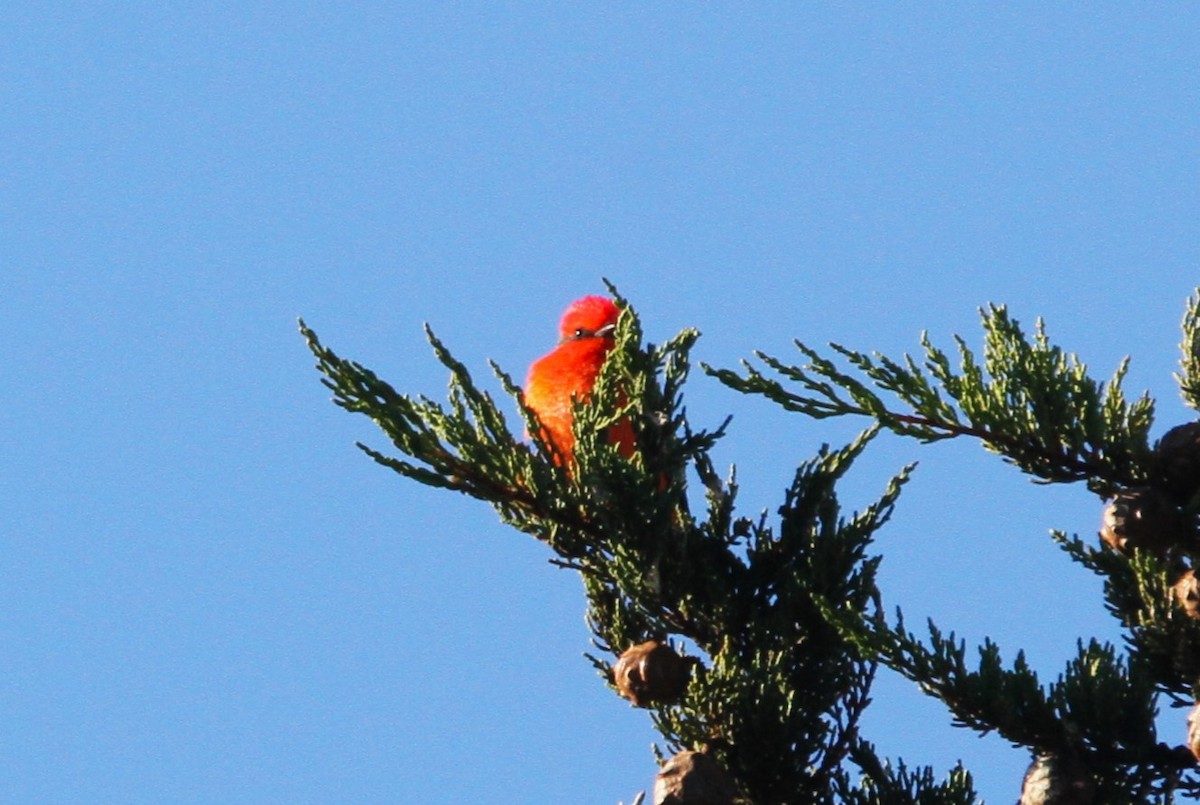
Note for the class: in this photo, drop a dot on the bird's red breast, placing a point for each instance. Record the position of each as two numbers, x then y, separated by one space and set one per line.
569 372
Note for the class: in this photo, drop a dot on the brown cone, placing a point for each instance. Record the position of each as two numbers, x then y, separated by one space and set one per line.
1193 732
651 672
1177 458
693 778
1141 518
1187 594
1054 779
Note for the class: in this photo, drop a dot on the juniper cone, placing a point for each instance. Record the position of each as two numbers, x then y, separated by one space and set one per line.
1187 593
693 778
1054 779
1178 458
651 672
1141 519
1193 731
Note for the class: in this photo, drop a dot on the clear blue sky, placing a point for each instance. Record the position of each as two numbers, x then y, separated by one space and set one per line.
208 595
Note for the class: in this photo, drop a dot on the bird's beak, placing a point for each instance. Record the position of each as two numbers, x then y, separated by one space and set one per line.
606 331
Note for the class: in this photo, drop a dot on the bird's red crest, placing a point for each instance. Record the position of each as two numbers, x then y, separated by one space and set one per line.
589 314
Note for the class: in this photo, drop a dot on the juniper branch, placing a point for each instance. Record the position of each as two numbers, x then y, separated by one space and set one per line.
780 694
1028 401
1189 361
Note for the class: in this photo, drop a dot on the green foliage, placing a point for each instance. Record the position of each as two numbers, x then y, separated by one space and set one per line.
1137 591
777 692
1036 406
1097 706
881 784
1028 401
1189 362
778 671
783 618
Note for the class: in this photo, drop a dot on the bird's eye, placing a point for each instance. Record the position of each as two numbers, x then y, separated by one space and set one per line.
580 332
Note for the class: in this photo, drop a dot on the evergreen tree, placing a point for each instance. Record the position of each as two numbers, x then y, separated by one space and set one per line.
753 643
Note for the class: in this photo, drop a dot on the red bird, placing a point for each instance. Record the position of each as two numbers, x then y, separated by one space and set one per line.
569 371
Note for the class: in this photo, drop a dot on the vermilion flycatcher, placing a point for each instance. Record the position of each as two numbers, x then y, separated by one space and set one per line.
569 371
